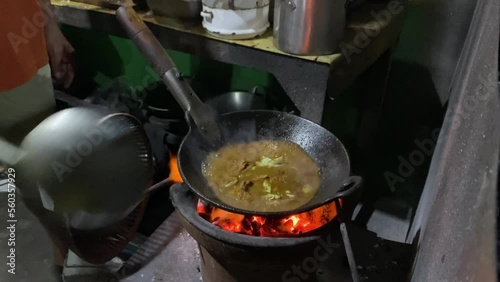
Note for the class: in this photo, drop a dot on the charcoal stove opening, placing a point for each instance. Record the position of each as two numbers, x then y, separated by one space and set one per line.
281 226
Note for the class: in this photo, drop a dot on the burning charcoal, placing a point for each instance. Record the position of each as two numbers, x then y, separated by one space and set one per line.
259 232
255 225
246 224
272 226
288 226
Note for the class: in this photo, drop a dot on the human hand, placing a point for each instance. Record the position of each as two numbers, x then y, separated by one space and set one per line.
60 54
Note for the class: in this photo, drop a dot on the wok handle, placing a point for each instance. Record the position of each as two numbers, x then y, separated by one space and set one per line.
160 185
203 115
154 52
144 39
351 185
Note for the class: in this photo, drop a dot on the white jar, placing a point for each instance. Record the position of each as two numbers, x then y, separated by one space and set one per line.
235 19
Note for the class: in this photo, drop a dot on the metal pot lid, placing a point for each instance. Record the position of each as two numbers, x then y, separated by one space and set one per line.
235 4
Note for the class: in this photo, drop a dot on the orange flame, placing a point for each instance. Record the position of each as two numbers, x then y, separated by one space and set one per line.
174 169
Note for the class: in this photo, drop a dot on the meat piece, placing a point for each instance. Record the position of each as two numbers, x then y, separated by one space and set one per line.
246 185
235 167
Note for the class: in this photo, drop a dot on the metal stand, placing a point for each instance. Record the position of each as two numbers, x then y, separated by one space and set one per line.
347 243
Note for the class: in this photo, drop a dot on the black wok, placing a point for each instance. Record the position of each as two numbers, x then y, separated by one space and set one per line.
209 132
321 145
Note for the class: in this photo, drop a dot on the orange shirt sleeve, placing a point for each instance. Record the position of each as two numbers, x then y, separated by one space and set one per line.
22 42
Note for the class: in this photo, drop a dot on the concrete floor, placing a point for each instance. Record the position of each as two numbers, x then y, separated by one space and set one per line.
34 258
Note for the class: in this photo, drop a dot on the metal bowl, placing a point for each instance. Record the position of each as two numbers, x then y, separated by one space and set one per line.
237 101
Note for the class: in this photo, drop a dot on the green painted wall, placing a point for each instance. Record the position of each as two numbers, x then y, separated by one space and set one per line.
103 57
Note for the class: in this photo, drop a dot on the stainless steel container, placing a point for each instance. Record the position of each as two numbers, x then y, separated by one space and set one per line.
309 27
177 9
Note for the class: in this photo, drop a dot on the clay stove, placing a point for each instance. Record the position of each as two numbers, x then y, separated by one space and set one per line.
243 248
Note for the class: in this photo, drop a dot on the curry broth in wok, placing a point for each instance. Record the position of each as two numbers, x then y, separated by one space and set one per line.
264 176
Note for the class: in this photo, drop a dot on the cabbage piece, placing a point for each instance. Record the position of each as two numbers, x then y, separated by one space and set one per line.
307 188
268 162
272 197
267 186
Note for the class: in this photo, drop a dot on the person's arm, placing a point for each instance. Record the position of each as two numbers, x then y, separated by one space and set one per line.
59 49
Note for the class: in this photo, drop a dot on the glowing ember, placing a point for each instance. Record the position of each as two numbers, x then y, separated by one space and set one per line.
268 226
257 225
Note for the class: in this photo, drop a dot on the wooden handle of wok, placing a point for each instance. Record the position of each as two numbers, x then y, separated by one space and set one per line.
144 39
161 62
203 116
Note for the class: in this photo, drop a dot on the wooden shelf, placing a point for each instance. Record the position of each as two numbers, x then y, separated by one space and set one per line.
306 79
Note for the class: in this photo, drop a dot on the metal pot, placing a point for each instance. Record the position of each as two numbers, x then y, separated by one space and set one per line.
309 27
177 9
236 19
